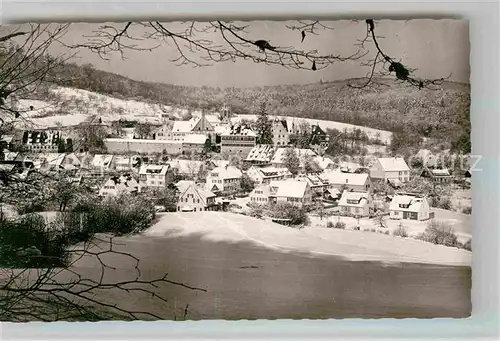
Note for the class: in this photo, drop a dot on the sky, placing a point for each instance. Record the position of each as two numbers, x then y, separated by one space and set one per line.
436 48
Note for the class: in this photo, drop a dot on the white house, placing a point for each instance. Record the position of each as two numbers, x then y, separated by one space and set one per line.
224 179
261 194
407 206
291 191
154 176
391 169
437 175
117 185
196 199
124 163
193 143
237 140
164 132
325 163
279 156
281 136
429 159
351 181
317 185
261 154
264 175
356 204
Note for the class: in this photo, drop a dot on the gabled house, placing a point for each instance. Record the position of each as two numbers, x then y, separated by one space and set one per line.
15 169
164 132
52 162
315 182
193 143
278 159
197 125
349 181
196 199
224 179
429 159
349 167
262 194
45 141
437 175
325 163
281 136
390 169
237 140
291 191
102 162
217 163
358 204
117 185
409 206
261 154
264 175
154 176
72 159
319 140
123 163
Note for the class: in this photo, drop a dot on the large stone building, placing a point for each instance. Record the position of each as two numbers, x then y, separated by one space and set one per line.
238 140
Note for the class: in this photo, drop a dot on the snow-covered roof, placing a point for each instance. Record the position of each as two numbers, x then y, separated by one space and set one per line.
440 172
393 164
353 199
228 172
202 192
339 178
349 166
195 139
183 185
122 160
239 130
182 126
313 180
220 163
290 188
279 156
153 169
261 152
7 138
10 156
102 160
323 162
411 203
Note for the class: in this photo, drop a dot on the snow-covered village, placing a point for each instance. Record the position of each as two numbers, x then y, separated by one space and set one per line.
358 176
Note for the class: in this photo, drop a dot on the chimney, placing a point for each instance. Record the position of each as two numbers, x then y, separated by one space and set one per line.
203 119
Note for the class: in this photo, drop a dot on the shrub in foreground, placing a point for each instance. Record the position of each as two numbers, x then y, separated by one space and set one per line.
400 231
439 233
297 215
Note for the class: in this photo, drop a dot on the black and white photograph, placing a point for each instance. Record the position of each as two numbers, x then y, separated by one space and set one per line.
235 170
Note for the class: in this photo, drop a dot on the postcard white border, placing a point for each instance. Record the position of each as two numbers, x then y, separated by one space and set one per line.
484 37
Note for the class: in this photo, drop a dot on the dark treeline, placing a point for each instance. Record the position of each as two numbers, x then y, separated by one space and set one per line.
442 114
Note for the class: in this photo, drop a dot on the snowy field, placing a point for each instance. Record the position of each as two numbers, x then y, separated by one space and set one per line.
352 245
80 104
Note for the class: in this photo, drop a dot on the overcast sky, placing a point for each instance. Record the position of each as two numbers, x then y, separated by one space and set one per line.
435 47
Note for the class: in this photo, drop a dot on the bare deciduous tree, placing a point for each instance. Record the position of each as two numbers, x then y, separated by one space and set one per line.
195 45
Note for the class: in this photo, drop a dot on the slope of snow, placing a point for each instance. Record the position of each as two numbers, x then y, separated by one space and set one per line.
74 105
353 245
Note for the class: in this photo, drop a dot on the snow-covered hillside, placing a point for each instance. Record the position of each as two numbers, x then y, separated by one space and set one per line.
72 106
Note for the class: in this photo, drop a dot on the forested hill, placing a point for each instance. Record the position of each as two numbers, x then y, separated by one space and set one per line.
437 113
